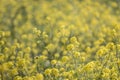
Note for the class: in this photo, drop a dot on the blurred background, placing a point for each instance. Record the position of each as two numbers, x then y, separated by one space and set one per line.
20 16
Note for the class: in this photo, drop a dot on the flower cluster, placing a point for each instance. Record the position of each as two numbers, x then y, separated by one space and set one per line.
56 40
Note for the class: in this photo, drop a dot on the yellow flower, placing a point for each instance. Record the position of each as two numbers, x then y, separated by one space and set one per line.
64 40
21 63
73 39
114 33
89 67
17 78
39 76
102 52
53 62
55 72
42 58
6 50
70 47
4 67
10 64
27 50
14 72
76 54
110 45
105 75
50 47
65 74
2 34
114 4
28 78
45 52
1 57
36 31
62 69
82 59
56 55
106 70
65 58
114 76
47 72
2 42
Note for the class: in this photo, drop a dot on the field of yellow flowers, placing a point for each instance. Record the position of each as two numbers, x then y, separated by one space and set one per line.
59 40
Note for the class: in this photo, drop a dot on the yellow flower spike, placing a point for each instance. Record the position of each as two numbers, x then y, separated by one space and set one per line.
1 57
39 76
76 54
14 72
65 59
105 75
33 77
10 64
62 69
42 58
66 79
24 36
38 32
2 42
27 50
3 67
6 50
114 76
114 33
1 70
88 49
2 34
55 72
17 45
106 70
114 4
70 76
45 52
56 55
77 79
20 54
21 63
110 45
118 62
45 36
64 40
13 48
28 78
89 67
47 71
73 39
53 62
70 47
35 30
7 33
48 18
50 47
65 52
82 59
102 52
118 46
65 74
18 78
72 71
